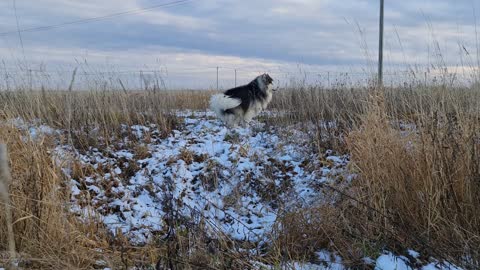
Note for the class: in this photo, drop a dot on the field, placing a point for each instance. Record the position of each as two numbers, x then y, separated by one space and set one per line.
336 178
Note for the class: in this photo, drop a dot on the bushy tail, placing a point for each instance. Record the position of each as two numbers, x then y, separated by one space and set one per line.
220 102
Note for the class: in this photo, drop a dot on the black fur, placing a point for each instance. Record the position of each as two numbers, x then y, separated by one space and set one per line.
247 93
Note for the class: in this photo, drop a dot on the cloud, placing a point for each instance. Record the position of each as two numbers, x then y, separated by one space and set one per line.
47 12
319 34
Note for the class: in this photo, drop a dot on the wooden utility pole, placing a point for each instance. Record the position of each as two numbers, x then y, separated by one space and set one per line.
235 77
380 47
328 79
217 78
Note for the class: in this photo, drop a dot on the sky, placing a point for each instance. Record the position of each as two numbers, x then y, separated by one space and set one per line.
183 43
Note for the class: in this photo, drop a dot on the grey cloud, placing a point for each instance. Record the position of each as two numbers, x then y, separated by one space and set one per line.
317 32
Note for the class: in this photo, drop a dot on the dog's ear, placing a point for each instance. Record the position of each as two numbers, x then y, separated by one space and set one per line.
268 79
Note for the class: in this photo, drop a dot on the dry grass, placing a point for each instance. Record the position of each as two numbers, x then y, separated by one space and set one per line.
416 151
46 236
423 183
88 116
417 157
5 180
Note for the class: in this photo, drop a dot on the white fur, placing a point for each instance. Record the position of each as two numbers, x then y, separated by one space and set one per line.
269 96
221 102
233 120
260 82
256 107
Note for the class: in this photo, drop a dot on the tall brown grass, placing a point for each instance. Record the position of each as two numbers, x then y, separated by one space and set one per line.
423 181
46 235
416 154
5 179
87 116
415 150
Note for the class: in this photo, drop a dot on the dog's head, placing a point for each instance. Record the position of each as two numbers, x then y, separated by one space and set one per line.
267 79
264 81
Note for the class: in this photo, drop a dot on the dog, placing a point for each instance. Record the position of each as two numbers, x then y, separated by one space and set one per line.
239 105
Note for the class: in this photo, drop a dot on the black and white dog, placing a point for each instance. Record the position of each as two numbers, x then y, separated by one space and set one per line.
239 105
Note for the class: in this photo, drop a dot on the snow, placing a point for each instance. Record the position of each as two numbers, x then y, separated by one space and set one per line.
326 261
389 261
36 131
413 253
207 171
332 261
438 266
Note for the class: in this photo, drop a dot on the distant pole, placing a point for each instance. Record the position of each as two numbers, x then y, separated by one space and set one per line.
217 78
380 47
235 77
328 78
30 79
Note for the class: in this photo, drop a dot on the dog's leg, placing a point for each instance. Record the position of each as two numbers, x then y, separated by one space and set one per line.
238 121
229 120
251 124
244 124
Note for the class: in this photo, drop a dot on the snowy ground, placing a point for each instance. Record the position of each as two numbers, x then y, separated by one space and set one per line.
238 181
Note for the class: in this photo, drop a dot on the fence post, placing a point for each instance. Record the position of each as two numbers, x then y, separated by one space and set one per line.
235 77
5 179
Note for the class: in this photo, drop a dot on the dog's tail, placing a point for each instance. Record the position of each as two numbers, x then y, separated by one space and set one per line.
221 102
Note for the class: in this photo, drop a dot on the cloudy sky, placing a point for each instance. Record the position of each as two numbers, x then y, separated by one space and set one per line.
186 41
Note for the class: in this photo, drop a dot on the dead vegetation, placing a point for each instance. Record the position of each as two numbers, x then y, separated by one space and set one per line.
46 236
415 150
417 160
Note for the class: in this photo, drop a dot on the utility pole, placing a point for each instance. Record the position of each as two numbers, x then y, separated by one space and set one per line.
217 78
235 77
30 79
328 79
380 47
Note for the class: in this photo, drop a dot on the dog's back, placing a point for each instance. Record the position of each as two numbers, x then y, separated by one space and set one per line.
241 104
243 93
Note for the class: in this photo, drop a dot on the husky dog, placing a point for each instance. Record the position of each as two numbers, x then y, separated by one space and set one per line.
239 105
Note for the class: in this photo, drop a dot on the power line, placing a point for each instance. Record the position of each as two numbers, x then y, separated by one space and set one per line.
94 19
18 30
196 70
